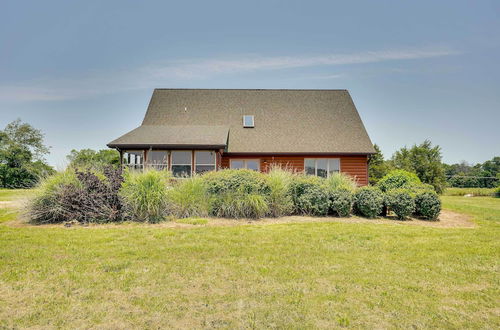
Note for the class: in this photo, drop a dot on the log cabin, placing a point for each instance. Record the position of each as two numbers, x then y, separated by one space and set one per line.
189 131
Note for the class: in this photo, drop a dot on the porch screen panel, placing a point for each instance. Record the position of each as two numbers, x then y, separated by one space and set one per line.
181 163
205 161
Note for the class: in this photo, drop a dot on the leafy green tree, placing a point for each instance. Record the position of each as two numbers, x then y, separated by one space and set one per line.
377 166
21 156
88 158
425 161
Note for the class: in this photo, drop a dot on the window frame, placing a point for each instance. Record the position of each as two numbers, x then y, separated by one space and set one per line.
172 161
327 165
253 121
196 164
135 165
245 160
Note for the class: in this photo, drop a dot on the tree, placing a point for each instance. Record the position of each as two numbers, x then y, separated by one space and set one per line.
425 161
21 156
377 166
88 158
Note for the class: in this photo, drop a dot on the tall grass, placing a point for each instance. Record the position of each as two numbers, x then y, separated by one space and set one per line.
469 191
340 181
189 198
279 198
239 204
145 195
46 205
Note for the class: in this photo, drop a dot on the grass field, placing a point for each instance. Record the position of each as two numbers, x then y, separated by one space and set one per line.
300 275
470 191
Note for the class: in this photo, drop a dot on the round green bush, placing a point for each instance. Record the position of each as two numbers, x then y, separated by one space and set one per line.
369 201
397 179
341 202
310 196
497 192
401 202
427 205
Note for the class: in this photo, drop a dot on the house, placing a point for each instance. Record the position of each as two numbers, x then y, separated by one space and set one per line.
196 130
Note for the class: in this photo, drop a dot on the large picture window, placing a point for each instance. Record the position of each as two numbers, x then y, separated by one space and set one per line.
251 164
181 163
204 161
322 167
134 159
158 159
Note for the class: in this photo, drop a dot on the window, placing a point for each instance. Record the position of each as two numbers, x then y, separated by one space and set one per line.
251 164
181 163
323 167
158 159
133 159
204 161
248 121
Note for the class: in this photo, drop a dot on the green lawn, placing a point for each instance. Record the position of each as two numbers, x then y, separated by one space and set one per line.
300 275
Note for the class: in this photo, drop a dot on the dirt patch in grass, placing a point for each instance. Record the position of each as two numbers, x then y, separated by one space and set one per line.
447 219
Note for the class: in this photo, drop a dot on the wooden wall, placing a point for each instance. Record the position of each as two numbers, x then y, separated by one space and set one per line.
355 166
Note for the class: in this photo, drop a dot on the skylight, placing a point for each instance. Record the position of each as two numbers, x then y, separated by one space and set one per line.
248 121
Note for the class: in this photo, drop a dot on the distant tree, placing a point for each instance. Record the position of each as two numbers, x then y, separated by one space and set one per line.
377 166
21 156
485 175
425 161
88 158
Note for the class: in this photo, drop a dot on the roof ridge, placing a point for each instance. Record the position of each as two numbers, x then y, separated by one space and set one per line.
255 89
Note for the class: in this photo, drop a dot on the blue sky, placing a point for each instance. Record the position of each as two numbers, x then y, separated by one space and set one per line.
84 71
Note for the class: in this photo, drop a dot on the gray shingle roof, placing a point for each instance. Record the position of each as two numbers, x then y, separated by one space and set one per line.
286 121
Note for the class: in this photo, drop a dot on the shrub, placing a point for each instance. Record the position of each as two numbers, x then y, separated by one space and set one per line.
310 195
401 202
427 205
497 192
239 204
340 181
237 193
341 202
246 181
46 205
279 198
79 196
189 198
397 179
369 201
145 195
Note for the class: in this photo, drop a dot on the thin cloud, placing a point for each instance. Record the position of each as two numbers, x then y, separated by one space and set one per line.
155 75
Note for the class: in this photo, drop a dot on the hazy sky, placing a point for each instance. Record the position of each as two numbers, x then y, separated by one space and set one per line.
84 71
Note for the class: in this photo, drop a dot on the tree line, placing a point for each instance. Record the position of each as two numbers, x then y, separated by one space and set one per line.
22 162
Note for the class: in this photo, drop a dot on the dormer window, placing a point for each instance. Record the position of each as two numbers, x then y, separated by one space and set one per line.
248 121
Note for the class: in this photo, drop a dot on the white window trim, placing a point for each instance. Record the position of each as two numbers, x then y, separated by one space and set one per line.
172 162
245 160
253 121
127 151
327 165
215 160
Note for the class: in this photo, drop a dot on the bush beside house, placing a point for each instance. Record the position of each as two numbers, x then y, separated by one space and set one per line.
152 196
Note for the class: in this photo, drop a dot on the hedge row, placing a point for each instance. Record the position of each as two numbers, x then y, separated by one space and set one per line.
155 196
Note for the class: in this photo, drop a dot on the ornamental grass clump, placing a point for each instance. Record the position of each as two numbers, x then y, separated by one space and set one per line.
340 181
79 196
279 198
145 195
369 201
427 205
189 198
341 202
401 202
310 195
237 193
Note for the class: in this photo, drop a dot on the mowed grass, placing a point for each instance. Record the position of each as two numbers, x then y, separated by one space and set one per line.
300 275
